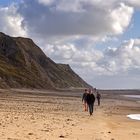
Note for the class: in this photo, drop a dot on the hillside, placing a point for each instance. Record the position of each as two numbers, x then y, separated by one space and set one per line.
23 64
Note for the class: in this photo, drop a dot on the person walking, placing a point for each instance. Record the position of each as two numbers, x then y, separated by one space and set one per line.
98 96
84 100
90 101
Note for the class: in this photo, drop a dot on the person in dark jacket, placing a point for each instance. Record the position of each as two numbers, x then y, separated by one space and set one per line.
98 96
90 101
84 100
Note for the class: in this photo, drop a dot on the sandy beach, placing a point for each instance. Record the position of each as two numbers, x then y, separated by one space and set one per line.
51 115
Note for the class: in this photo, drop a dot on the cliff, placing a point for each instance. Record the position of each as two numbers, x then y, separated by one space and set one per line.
23 64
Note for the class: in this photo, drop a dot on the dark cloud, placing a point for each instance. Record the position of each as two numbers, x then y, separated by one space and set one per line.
89 19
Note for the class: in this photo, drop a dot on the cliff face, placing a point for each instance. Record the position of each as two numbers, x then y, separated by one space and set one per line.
23 64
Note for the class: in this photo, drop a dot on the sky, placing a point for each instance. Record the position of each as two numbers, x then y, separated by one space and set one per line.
100 40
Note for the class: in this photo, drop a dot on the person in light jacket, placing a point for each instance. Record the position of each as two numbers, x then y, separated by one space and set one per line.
84 100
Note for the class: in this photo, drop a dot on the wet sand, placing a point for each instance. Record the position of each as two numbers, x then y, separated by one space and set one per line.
49 115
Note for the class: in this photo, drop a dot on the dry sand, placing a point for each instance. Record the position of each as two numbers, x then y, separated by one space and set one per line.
45 115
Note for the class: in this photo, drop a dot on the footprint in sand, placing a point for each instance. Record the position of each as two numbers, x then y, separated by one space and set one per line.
61 136
30 133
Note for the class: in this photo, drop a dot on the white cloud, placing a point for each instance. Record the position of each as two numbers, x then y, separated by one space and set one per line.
11 21
46 2
124 57
110 62
121 17
137 42
134 3
60 53
71 52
